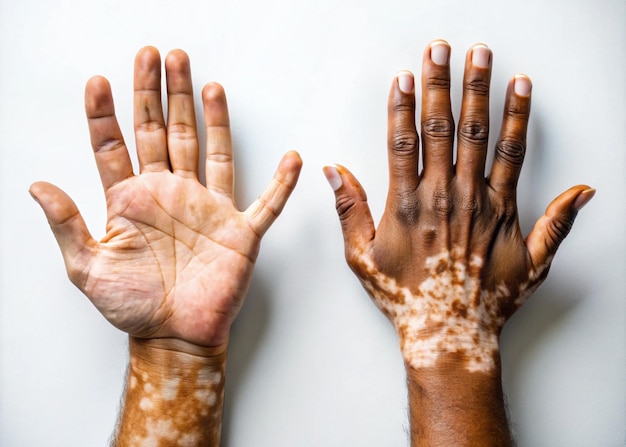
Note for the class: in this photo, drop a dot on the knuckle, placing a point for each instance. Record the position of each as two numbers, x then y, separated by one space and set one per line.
407 209
109 145
559 229
438 128
470 205
517 109
403 106
181 131
478 86
510 152
404 141
441 203
438 82
474 131
344 205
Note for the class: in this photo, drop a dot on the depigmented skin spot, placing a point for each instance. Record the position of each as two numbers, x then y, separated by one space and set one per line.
162 410
449 312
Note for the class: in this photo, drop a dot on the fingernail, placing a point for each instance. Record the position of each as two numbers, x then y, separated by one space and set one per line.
440 52
522 86
481 56
584 198
333 177
406 82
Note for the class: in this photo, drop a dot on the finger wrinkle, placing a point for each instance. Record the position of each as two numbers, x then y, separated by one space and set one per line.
148 90
109 146
219 157
150 126
475 132
438 83
182 131
478 87
66 220
403 107
438 128
510 153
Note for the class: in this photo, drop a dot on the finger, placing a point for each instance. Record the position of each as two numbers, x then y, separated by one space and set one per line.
354 213
473 131
550 230
67 225
150 133
106 138
219 150
402 139
437 121
511 145
264 211
182 139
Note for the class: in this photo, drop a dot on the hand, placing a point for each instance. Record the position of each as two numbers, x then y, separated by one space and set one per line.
177 257
448 263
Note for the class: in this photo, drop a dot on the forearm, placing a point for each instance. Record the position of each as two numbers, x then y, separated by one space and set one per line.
174 395
450 405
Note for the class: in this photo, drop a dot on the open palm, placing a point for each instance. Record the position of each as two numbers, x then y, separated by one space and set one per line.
177 257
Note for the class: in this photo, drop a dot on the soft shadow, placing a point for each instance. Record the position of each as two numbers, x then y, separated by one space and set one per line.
534 323
532 178
246 336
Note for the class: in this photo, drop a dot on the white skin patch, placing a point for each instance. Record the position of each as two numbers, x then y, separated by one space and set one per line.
170 389
146 404
449 312
175 410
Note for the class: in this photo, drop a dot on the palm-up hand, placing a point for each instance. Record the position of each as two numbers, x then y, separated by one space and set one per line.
177 257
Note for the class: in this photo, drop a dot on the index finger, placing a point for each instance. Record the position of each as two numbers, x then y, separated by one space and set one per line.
219 145
106 137
511 146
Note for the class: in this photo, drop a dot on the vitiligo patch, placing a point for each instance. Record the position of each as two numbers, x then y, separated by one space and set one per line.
448 312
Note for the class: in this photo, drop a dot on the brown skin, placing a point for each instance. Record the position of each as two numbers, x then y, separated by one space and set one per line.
452 208
175 264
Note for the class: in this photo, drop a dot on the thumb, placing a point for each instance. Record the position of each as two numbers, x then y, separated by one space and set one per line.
552 228
354 212
66 223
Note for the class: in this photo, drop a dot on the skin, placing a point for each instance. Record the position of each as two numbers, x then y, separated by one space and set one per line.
448 263
175 264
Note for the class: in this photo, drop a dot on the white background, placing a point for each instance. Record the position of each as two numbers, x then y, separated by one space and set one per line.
312 362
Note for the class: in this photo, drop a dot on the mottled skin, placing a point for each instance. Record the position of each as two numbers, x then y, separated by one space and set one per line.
448 263
175 264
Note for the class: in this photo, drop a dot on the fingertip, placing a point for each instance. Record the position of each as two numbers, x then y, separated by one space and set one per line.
522 85
215 105
98 97
213 91
147 54
405 81
177 59
573 199
438 52
333 177
583 198
290 166
292 160
41 191
480 55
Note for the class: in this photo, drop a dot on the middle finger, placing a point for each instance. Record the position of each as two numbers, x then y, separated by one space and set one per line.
182 136
473 131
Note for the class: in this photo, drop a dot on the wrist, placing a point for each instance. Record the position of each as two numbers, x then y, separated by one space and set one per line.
170 357
174 394
442 345
450 405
